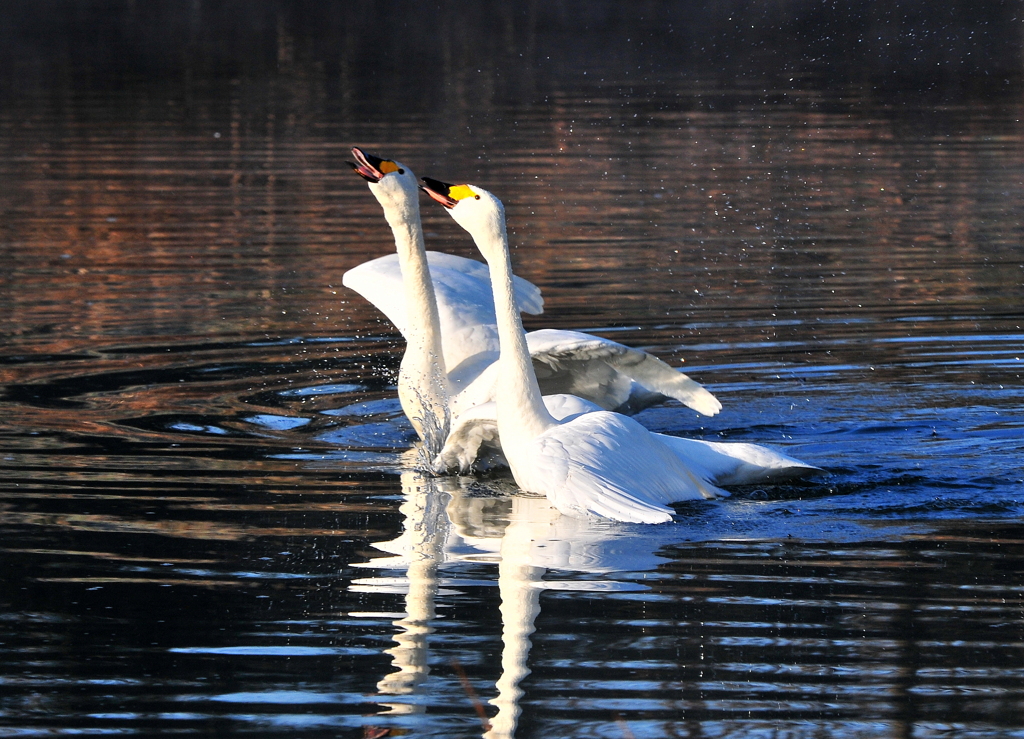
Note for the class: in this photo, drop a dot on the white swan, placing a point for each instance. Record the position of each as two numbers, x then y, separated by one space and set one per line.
442 305
599 462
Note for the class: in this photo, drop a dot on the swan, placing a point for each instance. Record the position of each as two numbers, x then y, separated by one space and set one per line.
598 462
442 305
424 389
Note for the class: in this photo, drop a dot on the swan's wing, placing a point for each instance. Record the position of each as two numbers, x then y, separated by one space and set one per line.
608 465
528 295
564 407
465 302
380 282
477 428
735 463
610 374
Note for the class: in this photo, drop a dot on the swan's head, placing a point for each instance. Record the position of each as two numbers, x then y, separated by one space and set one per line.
475 209
391 182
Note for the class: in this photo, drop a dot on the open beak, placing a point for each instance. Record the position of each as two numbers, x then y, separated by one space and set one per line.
438 191
366 165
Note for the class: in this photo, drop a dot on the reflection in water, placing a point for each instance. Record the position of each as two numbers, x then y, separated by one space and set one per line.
447 522
180 538
420 549
519 583
538 539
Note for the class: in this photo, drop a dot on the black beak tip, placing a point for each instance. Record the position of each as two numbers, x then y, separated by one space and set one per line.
435 185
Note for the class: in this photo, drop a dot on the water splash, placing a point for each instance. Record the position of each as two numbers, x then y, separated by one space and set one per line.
434 429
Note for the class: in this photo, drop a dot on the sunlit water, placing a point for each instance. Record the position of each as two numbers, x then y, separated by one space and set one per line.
209 516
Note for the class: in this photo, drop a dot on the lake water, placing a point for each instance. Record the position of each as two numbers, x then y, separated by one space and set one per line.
210 519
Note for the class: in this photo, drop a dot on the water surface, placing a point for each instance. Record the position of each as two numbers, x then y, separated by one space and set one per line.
210 519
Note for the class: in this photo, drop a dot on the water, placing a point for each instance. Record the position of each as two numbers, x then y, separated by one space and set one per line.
210 520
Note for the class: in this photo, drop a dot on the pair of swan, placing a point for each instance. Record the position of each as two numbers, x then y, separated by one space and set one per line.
442 305
584 458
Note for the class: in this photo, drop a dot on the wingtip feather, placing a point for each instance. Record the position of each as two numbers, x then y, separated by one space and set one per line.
705 403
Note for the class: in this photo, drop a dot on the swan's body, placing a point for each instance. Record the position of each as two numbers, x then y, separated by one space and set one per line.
473 439
599 462
443 306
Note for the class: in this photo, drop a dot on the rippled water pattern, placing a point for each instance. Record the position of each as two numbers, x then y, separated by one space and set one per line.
210 521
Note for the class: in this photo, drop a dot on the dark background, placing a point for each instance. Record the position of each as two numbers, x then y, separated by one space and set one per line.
414 52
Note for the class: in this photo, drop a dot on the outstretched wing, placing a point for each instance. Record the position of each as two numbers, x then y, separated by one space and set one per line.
610 374
465 302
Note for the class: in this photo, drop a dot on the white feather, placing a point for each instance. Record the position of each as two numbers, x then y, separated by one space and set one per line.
454 312
462 288
597 463
614 376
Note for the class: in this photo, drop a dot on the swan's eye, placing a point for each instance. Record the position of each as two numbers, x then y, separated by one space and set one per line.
477 197
401 171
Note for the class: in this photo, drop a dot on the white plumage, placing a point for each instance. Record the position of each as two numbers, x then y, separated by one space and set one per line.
462 291
443 305
473 439
600 462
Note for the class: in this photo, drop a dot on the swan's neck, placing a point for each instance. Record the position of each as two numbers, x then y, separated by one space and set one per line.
423 387
521 411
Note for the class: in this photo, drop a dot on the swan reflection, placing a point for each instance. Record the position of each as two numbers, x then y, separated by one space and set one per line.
419 550
453 520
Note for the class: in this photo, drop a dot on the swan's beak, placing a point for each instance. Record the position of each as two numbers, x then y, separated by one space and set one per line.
447 195
439 191
371 168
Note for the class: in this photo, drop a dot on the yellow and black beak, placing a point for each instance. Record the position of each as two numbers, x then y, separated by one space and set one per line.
371 168
447 195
